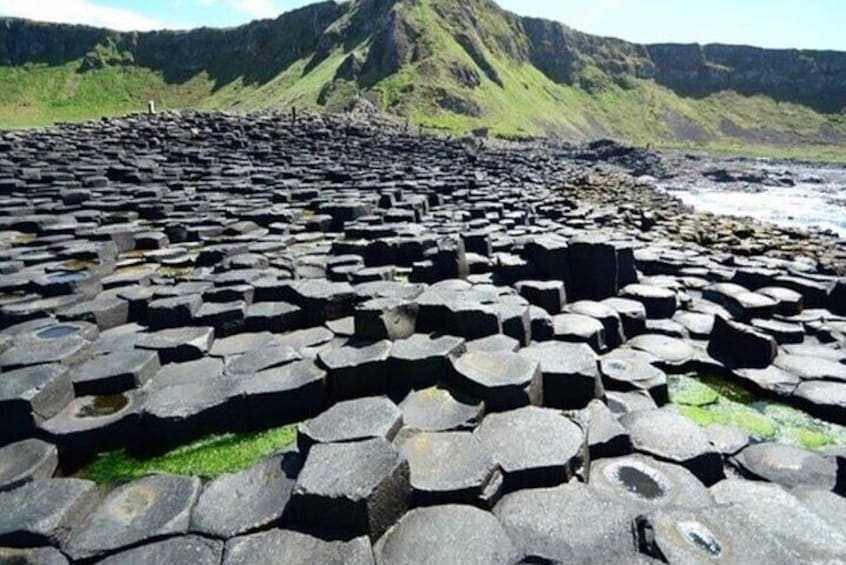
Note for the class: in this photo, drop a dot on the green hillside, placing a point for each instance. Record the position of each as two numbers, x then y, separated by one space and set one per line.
443 64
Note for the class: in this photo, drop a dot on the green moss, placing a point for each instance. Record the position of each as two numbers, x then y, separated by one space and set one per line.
208 457
762 420
690 392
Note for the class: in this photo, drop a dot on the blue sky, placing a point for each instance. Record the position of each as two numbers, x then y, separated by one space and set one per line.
809 24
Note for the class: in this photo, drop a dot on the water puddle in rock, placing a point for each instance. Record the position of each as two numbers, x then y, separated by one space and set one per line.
63 277
701 537
103 406
55 332
638 482
709 400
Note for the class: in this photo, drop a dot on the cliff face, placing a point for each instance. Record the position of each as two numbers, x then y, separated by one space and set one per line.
419 57
813 78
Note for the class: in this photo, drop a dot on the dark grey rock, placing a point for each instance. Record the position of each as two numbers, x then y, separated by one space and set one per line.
627 369
789 466
237 503
437 409
32 556
283 395
606 436
669 436
115 373
352 420
25 461
649 483
42 512
660 302
357 370
30 396
577 328
548 524
741 345
451 468
446 534
288 547
178 344
367 498
420 360
502 380
180 550
142 510
385 318
570 373
769 508
534 446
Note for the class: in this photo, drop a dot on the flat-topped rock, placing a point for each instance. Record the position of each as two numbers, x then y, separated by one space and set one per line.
142 510
367 498
288 547
431 536
570 373
534 446
789 466
503 380
352 420
237 503
177 550
451 468
669 436
26 460
437 409
115 373
43 512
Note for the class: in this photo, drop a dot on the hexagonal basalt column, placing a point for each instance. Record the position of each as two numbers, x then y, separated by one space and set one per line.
155 506
503 380
361 487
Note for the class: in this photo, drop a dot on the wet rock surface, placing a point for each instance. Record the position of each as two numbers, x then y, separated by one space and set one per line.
475 343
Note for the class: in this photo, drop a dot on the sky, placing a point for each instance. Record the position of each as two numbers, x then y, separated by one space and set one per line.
805 24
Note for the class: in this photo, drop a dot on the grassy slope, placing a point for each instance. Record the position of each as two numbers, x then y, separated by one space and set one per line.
527 103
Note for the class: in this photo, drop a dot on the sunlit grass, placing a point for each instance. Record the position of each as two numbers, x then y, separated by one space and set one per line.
207 458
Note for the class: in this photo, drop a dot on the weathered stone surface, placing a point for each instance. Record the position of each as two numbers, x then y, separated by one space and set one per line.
31 395
451 468
367 498
741 345
606 436
43 512
570 375
420 360
179 344
357 370
789 466
283 395
33 556
769 508
288 547
534 446
629 369
548 524
26 460
669 436
237 503
144 509
649 482
502 380
466 535
436 409
177 551
115 373
352 420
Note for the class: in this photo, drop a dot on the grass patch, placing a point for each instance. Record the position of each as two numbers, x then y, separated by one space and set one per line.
709 400
206 458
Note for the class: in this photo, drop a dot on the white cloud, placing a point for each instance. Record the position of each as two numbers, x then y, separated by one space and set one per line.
79 12
256 8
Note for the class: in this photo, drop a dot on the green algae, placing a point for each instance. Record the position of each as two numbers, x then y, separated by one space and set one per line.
207 458
710 400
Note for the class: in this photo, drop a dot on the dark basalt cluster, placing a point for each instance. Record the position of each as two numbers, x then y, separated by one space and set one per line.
476 357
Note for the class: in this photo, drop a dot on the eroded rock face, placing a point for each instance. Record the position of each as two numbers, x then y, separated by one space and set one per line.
264 267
